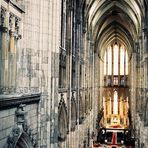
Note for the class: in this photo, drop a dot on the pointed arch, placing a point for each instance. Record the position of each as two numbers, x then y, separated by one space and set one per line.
62 121
21 137
73 114
81 109
24 141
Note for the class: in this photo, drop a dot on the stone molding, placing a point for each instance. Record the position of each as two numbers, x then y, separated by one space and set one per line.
62 104
62 90
7 101
17 6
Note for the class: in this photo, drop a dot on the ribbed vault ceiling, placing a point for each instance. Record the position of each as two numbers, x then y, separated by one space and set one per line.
115 21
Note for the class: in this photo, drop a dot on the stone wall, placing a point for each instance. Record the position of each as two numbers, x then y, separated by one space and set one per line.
141 133
33 67
8 120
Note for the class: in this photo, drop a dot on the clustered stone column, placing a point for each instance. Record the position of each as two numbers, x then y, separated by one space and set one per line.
3 52
9 34
146 74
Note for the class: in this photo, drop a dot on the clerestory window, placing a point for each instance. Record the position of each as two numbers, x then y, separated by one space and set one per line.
115 65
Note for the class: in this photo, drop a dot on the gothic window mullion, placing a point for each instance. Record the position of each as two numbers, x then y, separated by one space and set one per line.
124 67
106 68
112 76
119 51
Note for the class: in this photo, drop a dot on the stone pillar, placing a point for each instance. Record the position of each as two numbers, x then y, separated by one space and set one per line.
106 84
96 98
91 74
69 65
12 54
145 72
48 31
4 52
133 85
78 70
119 52
112 76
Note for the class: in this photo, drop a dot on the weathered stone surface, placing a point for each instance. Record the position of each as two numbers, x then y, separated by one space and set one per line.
8 121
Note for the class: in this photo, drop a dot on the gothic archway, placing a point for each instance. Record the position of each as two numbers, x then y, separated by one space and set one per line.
20 138
81 109
24 141
73 114
62 121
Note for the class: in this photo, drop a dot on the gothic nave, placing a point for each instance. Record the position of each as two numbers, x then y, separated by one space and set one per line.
74 74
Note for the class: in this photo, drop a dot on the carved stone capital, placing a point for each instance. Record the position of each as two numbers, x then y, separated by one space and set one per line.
15 34
11 21
3 17
17 24
14 26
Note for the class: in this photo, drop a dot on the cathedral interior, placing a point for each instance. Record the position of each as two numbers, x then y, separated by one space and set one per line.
74 73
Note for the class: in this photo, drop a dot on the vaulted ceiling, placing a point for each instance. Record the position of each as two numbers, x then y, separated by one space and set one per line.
115 21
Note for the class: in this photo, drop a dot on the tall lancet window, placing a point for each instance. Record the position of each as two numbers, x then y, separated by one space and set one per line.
116 48
116 65
126 63
109 61
105 63
122 54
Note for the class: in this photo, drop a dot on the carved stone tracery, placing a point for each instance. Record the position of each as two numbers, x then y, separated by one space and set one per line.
62 120
21 129
3 27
